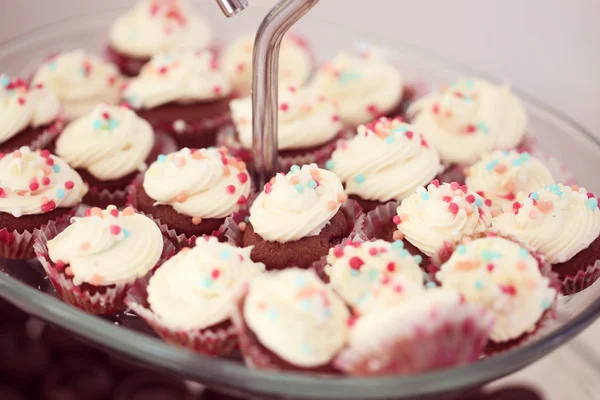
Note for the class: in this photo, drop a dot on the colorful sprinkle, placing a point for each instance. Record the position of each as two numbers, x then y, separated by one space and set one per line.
418 259
425 195
60 193
56 168
312 184
196 220
404 253
295 168
329 164
461 249
359 179
225 254
356 263
230 189
115 229
332 205
478 285
398 245
128 211
592 203
523 253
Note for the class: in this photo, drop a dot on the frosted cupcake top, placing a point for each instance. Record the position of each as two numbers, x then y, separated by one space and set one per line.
107 247
195 288
442 213
387 160
500 175
296 316
155 26
362 87
306 119
297 204
558 221
365 274
503 277
23 106
37 182
110 142
205 183
295 62
81 81
182 76
470 117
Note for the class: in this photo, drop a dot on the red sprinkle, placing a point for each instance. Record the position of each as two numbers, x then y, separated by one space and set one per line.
590 195
242 177
69 185
352 320
490 267
45 181
115 229
435 183
21 101
488 202
335 118
44 154
105 115
215 274
59 265
471 128
49 206
397 220
230 189
242 200
454 185
453 208
516 206
33 186
508 289
470 199
463 188
49 161
284 107
2 192
114 212
409 134
338 251
162 70
391 266
447 199
424 143
373 251
356 263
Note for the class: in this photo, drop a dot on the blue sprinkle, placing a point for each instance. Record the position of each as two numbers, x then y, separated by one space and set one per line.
60 193
478 202
273 314
418 259
348 76
490 255
478 285
126 233
207 282
373 274
468 83
359 178
299 188
295 168
535 196
490 166
56 168
592 203
311 184
306 348
404 253
162 158
4 81
466 97
400 129
525 156
483 128
300 281
461 249
112 124
225 255
517 163
52 66
546 304
98 124
523 253
425 195
305 304
354 272
397 245
327 313
430 285
390 140
330 164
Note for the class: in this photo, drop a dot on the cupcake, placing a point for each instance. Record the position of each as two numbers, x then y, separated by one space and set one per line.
500 175
563 224
95 260
469 118
290 321
189 299
385 162
363 88
183 93
296 62
426 330
357 271
506 279
109 148
298 218
38 191
308 128
81 81
30 115
189 193
155 26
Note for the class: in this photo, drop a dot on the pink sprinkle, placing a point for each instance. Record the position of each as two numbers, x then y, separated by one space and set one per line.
21 101
372 109
435 183
115 229
215 274
2 193
398 289
284 107
196 220
454 185
268 187
69 185
335 118
49 161
373 251
409 134
162 70
45 181
230 189
242 200
397 220
453 208
180 162
242 177
490 267
447 199
87 212
391 266
488 202
332 205
106 115
470 199
424 143
33 186
338 251
59 265
240 67
295 180
85 246
44 154
463 188
114 212
217 89
356 263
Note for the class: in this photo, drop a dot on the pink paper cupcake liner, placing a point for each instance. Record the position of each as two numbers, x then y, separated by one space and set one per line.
582 280
20 245
106 300
379 221
42 141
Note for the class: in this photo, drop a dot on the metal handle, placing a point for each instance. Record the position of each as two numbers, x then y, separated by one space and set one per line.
232 7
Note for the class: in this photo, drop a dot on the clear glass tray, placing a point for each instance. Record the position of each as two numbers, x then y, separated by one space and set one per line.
24 283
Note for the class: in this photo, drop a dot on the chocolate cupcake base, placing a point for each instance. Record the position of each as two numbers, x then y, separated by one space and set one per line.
36 138
128 65
581 271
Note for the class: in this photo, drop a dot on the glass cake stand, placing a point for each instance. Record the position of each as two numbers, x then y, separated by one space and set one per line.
558 138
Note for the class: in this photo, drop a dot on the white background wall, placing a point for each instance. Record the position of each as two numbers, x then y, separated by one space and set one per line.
548 48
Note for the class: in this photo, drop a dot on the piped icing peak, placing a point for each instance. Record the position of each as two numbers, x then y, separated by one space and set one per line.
503 277
297 204
107 247
180 76
204 183
154 26
37 182
558 221
442 213
470 117
386 160
306 118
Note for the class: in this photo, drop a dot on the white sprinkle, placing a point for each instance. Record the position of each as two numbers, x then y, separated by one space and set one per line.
17 212
179 126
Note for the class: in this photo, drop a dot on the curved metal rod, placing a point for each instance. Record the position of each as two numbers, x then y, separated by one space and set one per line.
232 7
265 66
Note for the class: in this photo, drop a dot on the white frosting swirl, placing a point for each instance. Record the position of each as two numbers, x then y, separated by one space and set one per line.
504 278
81 81
558 221
500 175
296 316
471 117
183 76
195 288
110 143
154 26
297 205
364 274
22 106
205 183
387 160
108 247
442 213
363 88
306 119
295 62
37 182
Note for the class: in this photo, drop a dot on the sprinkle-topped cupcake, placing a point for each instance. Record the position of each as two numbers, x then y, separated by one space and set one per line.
155 26
37 189
470 117
29 115
192 192
561 222
182 92
297 218
290 320
386 161
296 62
364 274
442 213
363 88
500 175
503 277
81 81
109 148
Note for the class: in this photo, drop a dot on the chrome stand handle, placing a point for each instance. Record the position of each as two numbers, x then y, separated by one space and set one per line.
232 7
